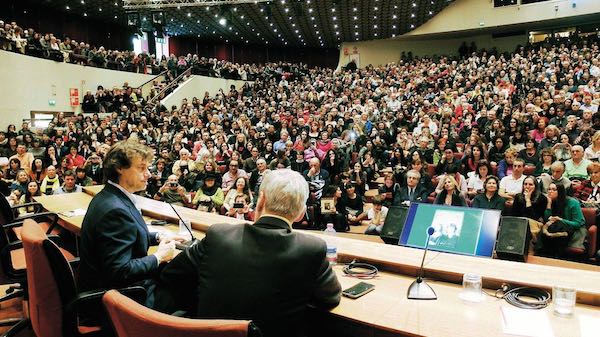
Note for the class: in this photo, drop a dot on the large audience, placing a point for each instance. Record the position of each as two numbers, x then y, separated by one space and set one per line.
47 45
518 132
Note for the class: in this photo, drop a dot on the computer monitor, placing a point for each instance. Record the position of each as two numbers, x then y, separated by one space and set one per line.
459 230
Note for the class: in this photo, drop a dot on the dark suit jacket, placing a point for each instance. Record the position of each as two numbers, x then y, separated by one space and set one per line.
265 272
420 195
114 244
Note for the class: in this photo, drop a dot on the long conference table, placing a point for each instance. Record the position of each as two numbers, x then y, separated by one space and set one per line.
386 311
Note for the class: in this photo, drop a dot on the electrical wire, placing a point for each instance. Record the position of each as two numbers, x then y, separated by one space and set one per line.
367 272
535 298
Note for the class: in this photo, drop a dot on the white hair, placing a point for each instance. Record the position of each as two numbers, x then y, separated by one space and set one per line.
285 192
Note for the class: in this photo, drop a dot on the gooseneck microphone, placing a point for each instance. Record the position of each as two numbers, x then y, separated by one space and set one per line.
419 289
192 241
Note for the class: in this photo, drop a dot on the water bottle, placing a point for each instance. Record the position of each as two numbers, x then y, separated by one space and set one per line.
331 248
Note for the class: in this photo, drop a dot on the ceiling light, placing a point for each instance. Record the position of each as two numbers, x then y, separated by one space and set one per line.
394 16
189 14
375 8
354 9
84 14
334 18
333 10
287 10
355 18
310 10
68 7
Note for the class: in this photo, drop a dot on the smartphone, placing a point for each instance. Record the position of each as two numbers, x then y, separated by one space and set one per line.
238 205
358 290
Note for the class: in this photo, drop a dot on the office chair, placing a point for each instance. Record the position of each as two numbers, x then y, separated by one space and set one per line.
131 319
54 302
13 262
9 214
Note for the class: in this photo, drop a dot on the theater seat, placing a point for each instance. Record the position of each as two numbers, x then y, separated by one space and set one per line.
529 170
131 319
592 230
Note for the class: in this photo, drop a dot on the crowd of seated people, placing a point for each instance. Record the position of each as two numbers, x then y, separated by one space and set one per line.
47 45
515 132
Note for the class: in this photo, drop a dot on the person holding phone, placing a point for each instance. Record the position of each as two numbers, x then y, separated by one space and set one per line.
171 192
241 208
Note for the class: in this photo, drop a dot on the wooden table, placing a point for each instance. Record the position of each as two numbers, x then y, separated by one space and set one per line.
386 311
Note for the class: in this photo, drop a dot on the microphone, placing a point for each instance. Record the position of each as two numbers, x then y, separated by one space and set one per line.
189 243
419 289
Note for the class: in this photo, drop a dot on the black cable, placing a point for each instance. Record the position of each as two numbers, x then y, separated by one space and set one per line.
368 271
536 298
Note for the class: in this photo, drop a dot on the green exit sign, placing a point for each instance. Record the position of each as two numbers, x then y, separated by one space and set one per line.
51 102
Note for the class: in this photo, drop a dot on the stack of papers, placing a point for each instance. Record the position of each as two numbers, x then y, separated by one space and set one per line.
75 212
520 322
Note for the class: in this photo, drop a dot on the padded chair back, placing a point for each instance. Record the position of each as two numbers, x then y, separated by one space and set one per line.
51 284
6 212
131 319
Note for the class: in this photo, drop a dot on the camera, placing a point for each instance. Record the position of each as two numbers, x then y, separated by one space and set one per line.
173 184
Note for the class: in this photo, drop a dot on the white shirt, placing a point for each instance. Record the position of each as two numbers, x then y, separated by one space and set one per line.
512 185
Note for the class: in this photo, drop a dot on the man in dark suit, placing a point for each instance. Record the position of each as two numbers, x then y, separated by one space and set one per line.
114 236
412 191
265 272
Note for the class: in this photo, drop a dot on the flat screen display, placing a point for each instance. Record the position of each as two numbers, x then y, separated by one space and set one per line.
459 230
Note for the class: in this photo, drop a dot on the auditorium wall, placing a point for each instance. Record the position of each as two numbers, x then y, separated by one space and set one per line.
378 52
466 20
477 14
34 84
196 86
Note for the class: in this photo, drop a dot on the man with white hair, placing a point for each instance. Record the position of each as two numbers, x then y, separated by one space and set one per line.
265 272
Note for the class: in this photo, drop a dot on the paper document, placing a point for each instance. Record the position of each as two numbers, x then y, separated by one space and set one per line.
75 212
520 322
588 325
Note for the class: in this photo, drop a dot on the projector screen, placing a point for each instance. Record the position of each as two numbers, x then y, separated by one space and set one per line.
459 230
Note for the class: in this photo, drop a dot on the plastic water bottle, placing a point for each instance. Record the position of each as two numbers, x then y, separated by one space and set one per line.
331 247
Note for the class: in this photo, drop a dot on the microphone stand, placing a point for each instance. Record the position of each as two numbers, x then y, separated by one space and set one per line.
192 241
419 289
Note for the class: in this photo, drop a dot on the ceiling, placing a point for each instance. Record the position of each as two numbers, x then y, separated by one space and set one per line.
308 23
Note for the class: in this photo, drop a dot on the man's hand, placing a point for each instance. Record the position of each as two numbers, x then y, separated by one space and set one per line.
165 251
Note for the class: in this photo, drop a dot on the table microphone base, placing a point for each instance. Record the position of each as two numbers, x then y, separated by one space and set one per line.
420 290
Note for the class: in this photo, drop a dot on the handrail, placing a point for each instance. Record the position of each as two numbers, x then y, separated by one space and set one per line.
152 79
156 98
